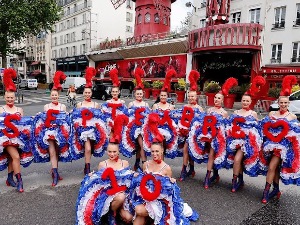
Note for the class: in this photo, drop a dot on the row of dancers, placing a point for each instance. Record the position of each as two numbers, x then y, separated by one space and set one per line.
277 154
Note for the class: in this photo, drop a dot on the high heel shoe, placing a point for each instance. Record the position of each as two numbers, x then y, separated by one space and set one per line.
191 171
183 173
55 177
207 179
19 183
10 179
265 197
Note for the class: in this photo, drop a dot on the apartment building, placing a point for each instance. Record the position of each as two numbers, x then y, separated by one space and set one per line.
250 37
83 25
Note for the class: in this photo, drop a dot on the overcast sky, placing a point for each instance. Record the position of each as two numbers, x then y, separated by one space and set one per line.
179 12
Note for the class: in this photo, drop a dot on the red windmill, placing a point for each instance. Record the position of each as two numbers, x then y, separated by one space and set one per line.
151 16
217 11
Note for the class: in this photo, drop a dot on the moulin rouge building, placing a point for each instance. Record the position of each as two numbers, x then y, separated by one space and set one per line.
243 39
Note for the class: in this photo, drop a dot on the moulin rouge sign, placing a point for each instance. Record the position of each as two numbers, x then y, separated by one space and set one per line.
226 35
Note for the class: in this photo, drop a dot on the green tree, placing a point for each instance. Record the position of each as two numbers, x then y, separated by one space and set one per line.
18 18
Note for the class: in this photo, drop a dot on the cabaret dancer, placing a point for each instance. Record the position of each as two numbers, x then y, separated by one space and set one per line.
14 140
51 131
165 204
281 144
244 138
104 192
217 110
190 110
134 107
166 123
88 104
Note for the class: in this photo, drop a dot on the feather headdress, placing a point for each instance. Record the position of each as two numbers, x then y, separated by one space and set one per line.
153 127
139 73
229 83
59 76
90 72
8 76
193 78
119 122
167 83
257 82
114 77
287 84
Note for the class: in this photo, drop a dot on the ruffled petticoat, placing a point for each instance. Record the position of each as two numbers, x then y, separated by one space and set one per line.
248 139
21 142
133 130
168 130
59 131
93 200
198 140
94 129
168 208
285 145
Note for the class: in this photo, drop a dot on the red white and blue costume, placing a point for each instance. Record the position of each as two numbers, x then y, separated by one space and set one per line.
244 133
88 123
58 130
183 118
167 127
131 132
201 132
19 137
167 208
94 198
282 138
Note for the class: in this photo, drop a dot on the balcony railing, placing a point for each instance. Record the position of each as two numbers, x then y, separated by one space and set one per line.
276 60
295 59
279 25
77 8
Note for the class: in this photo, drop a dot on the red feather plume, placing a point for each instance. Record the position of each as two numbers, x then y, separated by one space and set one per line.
119 122
58 77
139 73
167 83
90 72
8 76
114 77
193 78
287 84
153 123
257 82
229 83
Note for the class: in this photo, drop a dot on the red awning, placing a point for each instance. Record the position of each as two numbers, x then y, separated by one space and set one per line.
35 63
291 70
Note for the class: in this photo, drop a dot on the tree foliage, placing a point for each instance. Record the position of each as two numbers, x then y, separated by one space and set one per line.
18 18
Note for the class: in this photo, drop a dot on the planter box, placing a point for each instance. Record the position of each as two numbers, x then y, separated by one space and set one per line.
210 98
147 92
155 93
180 96
229 101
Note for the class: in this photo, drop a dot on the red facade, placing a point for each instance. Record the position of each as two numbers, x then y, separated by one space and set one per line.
154 67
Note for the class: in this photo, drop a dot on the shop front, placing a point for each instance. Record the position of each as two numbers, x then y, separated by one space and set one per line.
72 66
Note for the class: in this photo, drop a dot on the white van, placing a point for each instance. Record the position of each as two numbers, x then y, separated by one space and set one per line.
294 106
29 84
76 81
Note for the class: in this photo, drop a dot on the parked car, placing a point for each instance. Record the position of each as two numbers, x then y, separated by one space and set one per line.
28 84
101 91
76 81
80 89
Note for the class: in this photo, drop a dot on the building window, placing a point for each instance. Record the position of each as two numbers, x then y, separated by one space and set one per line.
68 11
83 34
147 18
55 41
279 21
129 29
73 50
68 38
165 20
276 53
55 29
297 21
203 4
254 15
85 3
128 16
139 19
83 50
74 22
84 18
202 23
296 52
75 7
129 4
61 41
68 23
156 18
236 17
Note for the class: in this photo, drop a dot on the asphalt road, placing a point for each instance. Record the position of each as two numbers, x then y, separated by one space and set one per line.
44 205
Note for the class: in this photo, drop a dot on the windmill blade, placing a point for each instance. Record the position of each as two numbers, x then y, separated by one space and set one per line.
117 3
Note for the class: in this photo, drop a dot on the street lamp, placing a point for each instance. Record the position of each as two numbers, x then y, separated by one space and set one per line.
189 4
